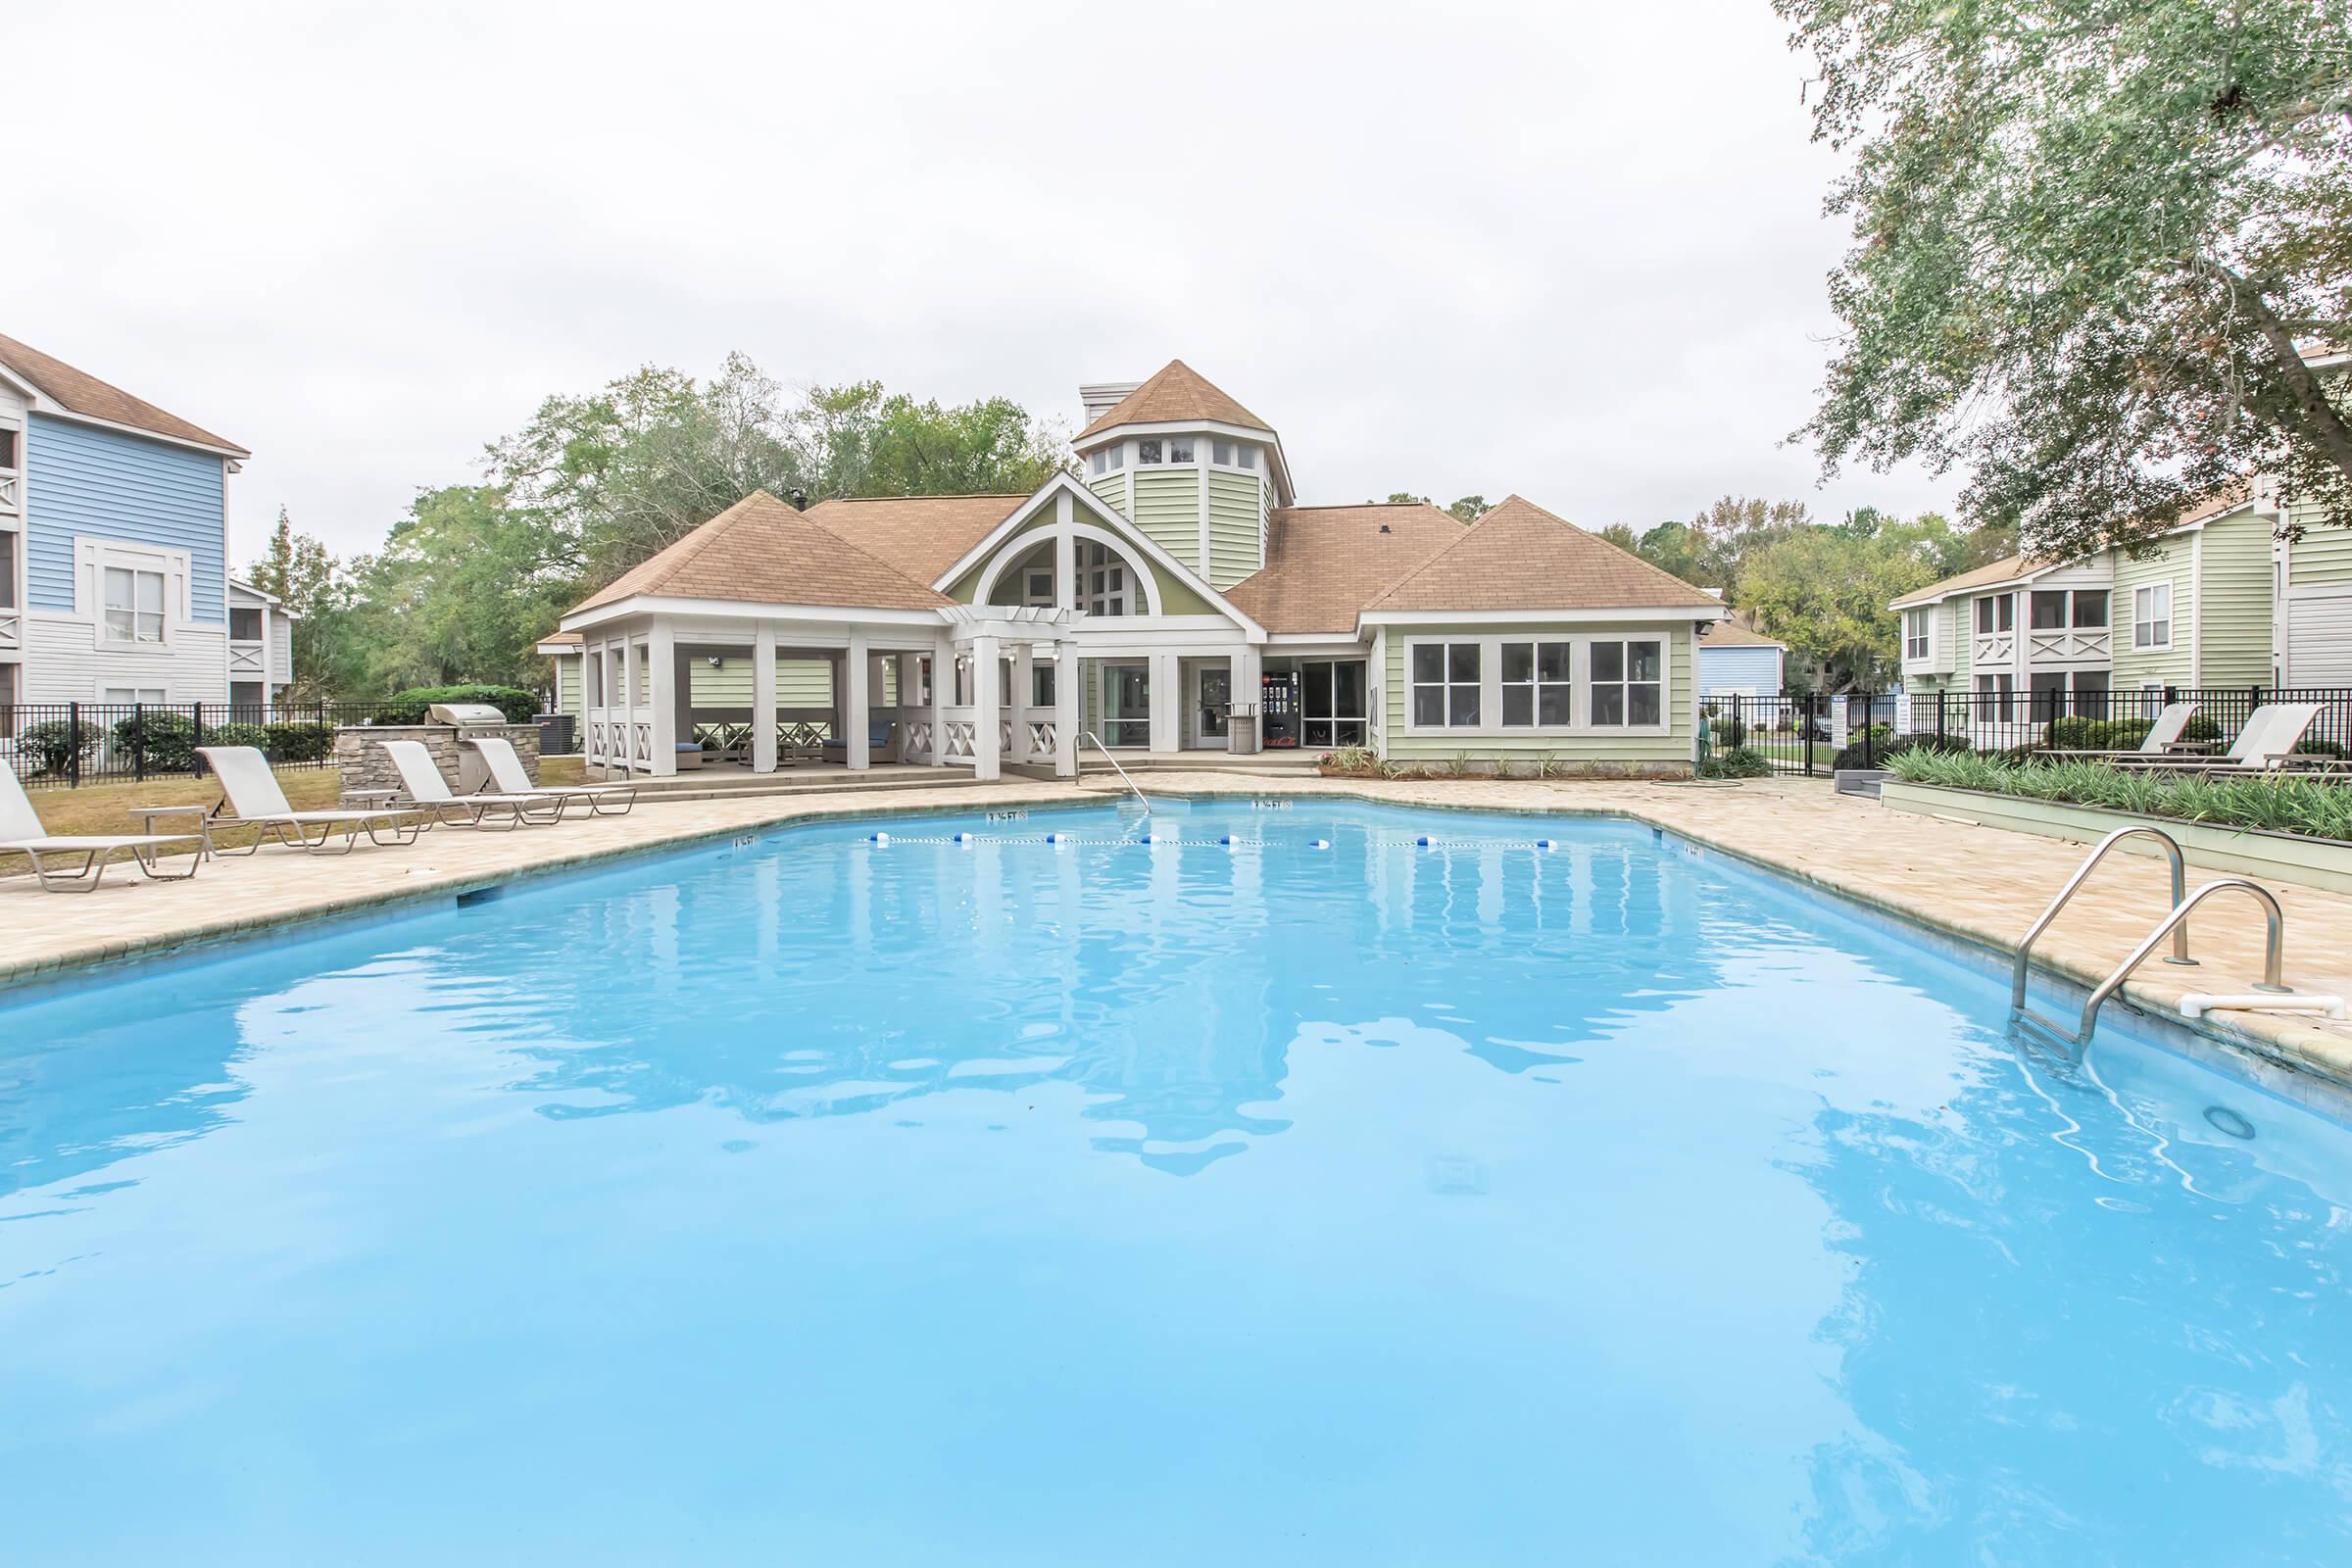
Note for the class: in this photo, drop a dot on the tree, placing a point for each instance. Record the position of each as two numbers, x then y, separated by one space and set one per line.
2095 248
464 588
1469 509
1823 588
302 574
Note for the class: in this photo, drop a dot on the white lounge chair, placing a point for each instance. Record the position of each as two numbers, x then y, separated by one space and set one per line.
20 833
2162 738
2266 744
509 777
429 793
251 795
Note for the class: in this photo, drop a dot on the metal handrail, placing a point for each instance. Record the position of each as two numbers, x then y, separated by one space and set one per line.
2273 958
1090 735
2172 851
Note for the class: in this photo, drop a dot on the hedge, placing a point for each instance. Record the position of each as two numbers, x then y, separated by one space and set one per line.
407 708
2315 808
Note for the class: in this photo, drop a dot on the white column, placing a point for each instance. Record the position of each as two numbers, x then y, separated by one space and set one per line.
943 692
986 752
1167 703
1247 666
1065 555
1017 700
859 668
763 699
1067 689
662 673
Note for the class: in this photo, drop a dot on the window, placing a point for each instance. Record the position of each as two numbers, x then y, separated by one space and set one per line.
1535 684
1180 449
1915 634
134 606
1629 683
1147 451
1444 685
1332 703
1995 612
1101 585
2049 609
124 695
11 691
8 448
2091 606
2152 616
1037 586
1041 684
8 570
1244 456
1993 693
1110 459
244 624
1220 453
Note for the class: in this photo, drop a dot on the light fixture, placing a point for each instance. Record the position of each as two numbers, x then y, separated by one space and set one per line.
716 663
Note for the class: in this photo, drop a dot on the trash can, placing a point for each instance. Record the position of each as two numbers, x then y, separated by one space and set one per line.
1241 728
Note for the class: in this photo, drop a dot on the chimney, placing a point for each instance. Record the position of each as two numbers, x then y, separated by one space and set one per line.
1100 397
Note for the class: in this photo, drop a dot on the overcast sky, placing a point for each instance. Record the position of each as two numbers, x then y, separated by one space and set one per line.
1570 251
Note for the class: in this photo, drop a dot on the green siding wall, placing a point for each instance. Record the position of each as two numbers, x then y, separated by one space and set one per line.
2140 666
2234 616
1167 508
1670 750
568 692
1111 490
799 683
1234 524
2323 556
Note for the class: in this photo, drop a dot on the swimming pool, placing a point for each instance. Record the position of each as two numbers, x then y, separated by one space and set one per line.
821 1200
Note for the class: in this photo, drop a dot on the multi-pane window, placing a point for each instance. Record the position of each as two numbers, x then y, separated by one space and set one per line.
1915 634
1444 685
2152 616
1535 684
134 606
1332 703
1110 459
2056 608
1101 585
1628 683
1995 612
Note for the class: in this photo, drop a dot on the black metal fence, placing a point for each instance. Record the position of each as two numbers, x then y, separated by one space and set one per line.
1817 734
65 744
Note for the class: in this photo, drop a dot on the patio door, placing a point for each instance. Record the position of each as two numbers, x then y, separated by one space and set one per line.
1332 701
1212 690
1127 704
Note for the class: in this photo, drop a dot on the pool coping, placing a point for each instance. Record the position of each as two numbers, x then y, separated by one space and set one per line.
2277 1040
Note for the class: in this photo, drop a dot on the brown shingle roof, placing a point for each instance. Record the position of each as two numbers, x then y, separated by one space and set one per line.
1325 563
920 535
77 392
1177 393
1520 557
760 551
2006 569
1731 634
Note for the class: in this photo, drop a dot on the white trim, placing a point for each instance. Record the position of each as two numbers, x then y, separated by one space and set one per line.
1021 546
2197 611
1580 688
1278 462
1538 617
742 609
2171 609
48 408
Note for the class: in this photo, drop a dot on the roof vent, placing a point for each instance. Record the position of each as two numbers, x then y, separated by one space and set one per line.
1100 397
1383 527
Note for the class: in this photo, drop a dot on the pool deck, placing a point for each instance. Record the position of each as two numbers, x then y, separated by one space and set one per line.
1981 885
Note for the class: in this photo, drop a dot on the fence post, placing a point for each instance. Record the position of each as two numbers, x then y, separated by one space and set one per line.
196 757
74 746
139 747
1868 715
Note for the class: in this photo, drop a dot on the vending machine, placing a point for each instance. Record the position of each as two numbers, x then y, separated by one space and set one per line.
1278 709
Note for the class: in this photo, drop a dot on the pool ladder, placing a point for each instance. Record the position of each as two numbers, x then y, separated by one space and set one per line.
1090 735
2175 924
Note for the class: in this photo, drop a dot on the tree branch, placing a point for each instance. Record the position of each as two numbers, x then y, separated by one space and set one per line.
2321 423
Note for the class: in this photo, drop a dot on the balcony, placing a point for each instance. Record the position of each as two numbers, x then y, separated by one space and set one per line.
247 660
12 492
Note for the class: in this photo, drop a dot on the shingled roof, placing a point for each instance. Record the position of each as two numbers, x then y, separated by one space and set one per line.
762 551
920 535
78 392
1520 557
1326 564
1178 393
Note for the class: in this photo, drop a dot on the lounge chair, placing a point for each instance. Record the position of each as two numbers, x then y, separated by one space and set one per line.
20 833
2266 744
509 777
429 794
2162 737
877 744
252 797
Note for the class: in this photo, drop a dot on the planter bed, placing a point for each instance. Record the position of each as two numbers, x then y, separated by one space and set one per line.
2249 852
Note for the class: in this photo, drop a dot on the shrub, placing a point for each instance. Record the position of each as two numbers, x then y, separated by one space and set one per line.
50 744
1729 733
2313 806
255 735
2077 733
303 741
407 708
1737 761
1884 743
157 741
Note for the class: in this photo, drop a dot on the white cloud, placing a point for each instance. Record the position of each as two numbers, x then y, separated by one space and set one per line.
1468 249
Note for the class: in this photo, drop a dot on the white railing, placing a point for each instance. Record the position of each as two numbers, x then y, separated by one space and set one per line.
12 491
12 630
245 658
2067 645
2000 649
915 740
963 739
1043 739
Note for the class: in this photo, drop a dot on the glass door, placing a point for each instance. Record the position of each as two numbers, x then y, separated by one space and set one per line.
1126 705
1212 690
1332 703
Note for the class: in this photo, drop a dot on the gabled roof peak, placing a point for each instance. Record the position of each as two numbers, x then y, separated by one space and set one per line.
78 392
1175 394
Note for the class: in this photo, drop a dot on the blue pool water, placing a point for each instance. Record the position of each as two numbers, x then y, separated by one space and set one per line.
818 1201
